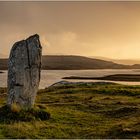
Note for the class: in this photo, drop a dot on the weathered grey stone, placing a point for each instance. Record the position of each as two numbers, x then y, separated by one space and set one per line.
24 68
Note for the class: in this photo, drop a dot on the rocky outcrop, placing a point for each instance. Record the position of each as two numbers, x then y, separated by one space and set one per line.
24 68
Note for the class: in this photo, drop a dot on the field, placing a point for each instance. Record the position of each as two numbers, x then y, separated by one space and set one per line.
93 110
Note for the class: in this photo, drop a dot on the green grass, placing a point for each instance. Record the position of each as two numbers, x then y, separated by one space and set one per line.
81 111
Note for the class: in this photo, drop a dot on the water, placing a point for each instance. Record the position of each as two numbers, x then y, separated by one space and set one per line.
49 77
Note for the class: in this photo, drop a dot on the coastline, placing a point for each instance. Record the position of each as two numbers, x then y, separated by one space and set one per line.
115 77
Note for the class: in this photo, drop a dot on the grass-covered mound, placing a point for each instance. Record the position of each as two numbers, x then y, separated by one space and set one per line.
90 110
8 115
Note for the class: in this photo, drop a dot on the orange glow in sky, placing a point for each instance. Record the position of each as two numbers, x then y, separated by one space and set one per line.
107 29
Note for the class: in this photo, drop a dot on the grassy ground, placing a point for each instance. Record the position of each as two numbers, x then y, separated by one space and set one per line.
82 111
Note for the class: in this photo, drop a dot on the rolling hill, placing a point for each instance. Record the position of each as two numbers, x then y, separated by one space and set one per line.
71 62
119 61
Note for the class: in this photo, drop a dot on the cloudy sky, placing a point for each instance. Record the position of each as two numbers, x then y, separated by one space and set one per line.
107 29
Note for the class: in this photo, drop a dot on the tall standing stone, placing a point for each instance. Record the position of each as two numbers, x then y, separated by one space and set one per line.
24 67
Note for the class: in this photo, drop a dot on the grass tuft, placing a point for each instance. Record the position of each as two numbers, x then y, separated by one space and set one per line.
15 114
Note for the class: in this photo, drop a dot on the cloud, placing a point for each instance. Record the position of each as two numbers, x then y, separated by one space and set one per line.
66 43
109 29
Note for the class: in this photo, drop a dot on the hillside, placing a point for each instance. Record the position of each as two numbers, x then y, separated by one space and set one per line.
119 61
70 62
77 62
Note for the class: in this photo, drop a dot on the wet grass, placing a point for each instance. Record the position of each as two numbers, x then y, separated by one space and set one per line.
81 111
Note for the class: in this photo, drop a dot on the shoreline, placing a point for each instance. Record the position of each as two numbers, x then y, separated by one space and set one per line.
115 77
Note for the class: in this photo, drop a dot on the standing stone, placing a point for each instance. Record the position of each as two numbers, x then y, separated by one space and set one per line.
24 67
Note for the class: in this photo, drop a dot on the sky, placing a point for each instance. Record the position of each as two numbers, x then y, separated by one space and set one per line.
106 29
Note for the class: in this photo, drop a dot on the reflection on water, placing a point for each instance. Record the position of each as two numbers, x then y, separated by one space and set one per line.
49 77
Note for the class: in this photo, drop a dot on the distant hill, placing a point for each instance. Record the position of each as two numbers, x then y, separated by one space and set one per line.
119 61
71 62
77 62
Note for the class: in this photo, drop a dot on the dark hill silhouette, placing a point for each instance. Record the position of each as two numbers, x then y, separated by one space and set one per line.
76 62
71 62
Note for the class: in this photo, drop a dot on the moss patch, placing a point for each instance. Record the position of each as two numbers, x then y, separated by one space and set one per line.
7 115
